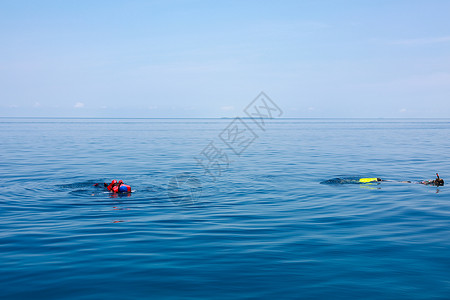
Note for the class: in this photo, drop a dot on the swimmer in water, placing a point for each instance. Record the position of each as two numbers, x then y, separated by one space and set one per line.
436 182
116 187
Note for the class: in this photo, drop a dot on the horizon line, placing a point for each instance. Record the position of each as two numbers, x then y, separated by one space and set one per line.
277 118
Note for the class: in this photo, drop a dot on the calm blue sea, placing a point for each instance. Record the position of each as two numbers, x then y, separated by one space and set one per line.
262 228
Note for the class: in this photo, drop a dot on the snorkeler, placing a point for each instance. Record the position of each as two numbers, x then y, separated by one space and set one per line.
116 187
436 182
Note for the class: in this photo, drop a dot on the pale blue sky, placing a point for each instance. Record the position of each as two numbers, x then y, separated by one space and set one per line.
210 58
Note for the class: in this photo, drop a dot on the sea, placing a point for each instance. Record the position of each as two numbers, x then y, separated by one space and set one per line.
224 209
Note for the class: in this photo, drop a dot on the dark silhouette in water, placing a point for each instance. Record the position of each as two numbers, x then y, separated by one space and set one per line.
350 180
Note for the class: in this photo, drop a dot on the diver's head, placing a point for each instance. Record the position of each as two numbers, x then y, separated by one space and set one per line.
438 181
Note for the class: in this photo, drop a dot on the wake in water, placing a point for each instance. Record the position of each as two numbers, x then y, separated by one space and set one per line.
97 188
92 188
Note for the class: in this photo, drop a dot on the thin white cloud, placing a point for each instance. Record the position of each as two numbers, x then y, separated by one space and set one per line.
421 81
426 81
79 105
227 108
422 41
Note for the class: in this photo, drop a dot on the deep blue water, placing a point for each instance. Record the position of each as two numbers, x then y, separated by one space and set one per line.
265 228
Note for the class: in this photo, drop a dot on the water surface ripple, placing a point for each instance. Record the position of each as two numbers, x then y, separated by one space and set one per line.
266 228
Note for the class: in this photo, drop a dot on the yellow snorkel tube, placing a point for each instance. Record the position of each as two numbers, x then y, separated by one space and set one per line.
366 180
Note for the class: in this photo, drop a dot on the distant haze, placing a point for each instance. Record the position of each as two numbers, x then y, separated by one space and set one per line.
211 58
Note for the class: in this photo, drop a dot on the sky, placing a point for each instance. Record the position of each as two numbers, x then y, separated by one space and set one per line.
164 59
